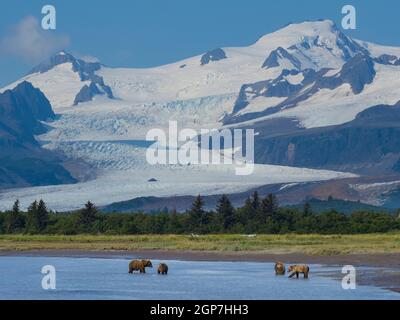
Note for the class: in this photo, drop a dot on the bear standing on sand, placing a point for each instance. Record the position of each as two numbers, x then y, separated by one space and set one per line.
280 269
162 269
299 269
140 265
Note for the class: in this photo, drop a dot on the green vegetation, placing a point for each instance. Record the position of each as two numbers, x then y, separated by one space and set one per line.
342 206
257 216
233 244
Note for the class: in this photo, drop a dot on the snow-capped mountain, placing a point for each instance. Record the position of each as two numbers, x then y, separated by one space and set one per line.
305 80
295 87
270 77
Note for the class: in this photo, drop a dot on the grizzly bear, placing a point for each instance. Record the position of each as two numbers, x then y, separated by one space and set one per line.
280 269
162 268
299 269
140 265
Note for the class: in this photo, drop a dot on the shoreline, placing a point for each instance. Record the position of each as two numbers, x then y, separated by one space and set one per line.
386 272
388 260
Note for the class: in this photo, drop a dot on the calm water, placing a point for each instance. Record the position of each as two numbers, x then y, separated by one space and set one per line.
81 278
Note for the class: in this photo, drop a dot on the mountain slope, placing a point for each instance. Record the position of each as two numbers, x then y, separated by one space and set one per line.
297 87
21 110
368 145
22 161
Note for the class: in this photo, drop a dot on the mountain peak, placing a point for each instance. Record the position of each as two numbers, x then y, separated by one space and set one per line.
62 53
312 24
60 57
296 31
312 44
80 65
86 70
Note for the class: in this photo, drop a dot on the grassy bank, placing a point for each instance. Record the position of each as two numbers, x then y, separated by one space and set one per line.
279 244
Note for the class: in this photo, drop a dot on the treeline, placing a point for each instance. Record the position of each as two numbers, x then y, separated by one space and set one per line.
257 215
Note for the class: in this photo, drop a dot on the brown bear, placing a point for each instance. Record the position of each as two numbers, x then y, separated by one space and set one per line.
140 265
299 269
280 269
162 268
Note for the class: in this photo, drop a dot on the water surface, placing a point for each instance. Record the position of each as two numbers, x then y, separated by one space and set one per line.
89 278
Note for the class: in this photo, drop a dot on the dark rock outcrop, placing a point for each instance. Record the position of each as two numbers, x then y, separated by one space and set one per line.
213 55
348 46
87 93
280 87
86 71
21 111
387 59
279 54
84 68
22 161
357 72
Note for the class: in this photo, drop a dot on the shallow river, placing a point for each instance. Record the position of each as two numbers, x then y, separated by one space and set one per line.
89 278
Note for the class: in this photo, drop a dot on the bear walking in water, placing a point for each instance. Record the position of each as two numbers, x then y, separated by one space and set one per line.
280 269
162 269
299 269
140 265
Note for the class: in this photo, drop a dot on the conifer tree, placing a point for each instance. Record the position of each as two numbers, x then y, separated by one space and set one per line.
32 226
226 212
174 223
307 211
16 208
256 201
87 216
249 210
269 208
197 214
14 221
42 216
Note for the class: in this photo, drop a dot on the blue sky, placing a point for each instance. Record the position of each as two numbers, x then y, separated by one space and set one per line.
153 32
